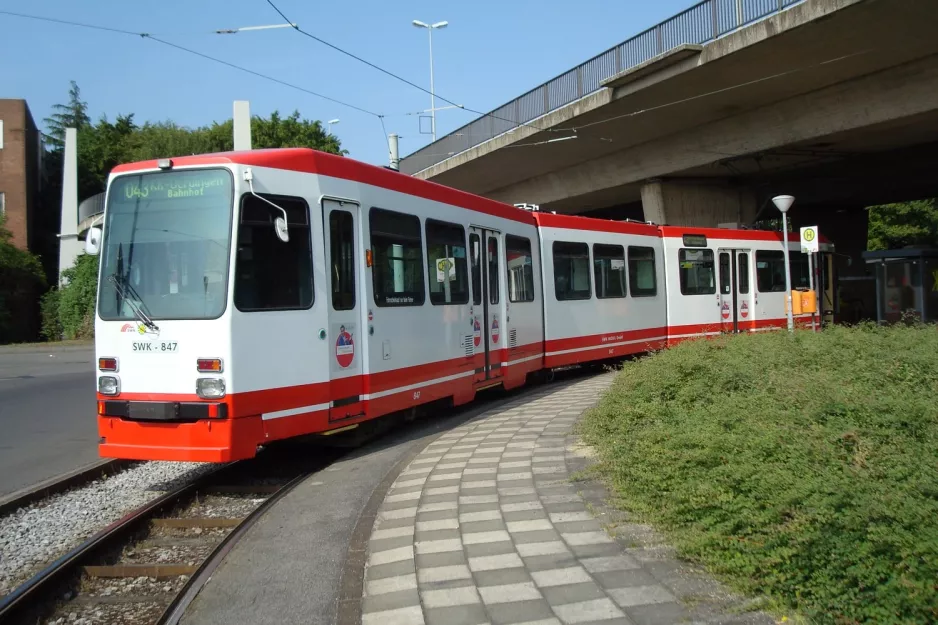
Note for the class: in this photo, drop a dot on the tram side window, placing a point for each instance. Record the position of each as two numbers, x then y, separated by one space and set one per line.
398 258
642 274
271 274
493 270
800 274
770 271
696 271
571 270
520 269
475 254
341 243
743 275
609 270
725 273
446 263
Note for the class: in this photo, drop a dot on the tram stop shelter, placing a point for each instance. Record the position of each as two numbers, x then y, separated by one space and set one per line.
906 284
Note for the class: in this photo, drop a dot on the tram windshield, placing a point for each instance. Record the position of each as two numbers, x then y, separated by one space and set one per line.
166 245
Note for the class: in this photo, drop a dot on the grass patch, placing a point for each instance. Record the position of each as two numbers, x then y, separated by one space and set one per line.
803 468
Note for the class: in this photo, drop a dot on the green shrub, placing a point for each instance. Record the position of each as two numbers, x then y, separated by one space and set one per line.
51 326
77 298
21 282
804 468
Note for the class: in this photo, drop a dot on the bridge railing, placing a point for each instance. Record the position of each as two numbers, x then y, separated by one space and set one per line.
88 210
702 22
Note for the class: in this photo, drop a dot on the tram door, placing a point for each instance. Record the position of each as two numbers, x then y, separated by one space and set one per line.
736 309
485 256
345 336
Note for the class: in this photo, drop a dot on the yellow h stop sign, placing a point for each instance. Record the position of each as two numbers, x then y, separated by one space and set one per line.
809 239
445 270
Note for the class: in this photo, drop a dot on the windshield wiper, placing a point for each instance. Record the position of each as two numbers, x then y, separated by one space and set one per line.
124 288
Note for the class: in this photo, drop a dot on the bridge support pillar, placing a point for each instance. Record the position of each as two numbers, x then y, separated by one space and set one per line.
682 203
69 245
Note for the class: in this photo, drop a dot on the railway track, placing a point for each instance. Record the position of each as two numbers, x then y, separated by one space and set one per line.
148 566
61 484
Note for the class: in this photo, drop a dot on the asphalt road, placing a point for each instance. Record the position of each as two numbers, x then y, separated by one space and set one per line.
47 413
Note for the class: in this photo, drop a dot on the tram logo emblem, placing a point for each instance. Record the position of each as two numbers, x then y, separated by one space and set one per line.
744 310
344 348
476 333
725 310
137 328
495 330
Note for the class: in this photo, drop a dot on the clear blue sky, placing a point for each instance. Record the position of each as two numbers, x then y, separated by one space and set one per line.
491 52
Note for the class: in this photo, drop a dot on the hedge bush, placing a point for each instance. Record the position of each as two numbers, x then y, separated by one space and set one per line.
800 467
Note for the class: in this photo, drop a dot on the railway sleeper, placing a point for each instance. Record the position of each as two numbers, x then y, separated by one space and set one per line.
196 522
158 571
126 599
243 489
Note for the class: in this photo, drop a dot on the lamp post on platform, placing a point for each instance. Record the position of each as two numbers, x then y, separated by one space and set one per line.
430 28
783 203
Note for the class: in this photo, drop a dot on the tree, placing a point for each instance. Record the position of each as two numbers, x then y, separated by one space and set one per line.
21 282
893 226
101 147
164 139
71 115
276 132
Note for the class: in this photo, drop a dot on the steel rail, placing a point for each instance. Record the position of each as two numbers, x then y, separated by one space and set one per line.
27 597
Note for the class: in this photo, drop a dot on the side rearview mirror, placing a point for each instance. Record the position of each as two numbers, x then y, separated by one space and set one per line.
280 226
93 241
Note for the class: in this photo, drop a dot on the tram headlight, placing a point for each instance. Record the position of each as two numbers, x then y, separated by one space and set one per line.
109 385
210 388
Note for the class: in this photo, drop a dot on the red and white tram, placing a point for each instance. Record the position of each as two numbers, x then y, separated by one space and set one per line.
250 297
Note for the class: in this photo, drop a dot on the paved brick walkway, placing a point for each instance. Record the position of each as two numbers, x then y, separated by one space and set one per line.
485 526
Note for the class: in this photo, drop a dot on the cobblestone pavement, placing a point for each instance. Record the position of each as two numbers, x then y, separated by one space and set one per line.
485 526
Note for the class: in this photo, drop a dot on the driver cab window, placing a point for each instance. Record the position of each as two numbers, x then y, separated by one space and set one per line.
271 274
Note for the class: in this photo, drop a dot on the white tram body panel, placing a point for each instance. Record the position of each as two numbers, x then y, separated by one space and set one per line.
256 296
722 281
600 281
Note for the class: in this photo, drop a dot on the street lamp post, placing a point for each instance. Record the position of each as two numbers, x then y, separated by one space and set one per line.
430 28
783 203
331 122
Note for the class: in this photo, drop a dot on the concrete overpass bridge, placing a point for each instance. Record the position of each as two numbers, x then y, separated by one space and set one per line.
90 213
695 122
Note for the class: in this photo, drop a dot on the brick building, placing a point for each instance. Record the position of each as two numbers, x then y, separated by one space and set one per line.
20 172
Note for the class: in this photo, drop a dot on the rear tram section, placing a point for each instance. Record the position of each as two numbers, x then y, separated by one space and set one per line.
259 296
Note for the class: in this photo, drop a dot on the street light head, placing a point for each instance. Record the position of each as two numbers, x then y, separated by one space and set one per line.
420 24
783 202
333 121
443 24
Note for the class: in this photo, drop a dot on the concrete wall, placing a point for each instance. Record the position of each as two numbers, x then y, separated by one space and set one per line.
19 171
678 203
70 247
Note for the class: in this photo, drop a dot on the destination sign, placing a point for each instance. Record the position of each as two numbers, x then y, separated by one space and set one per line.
695 240
172 185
